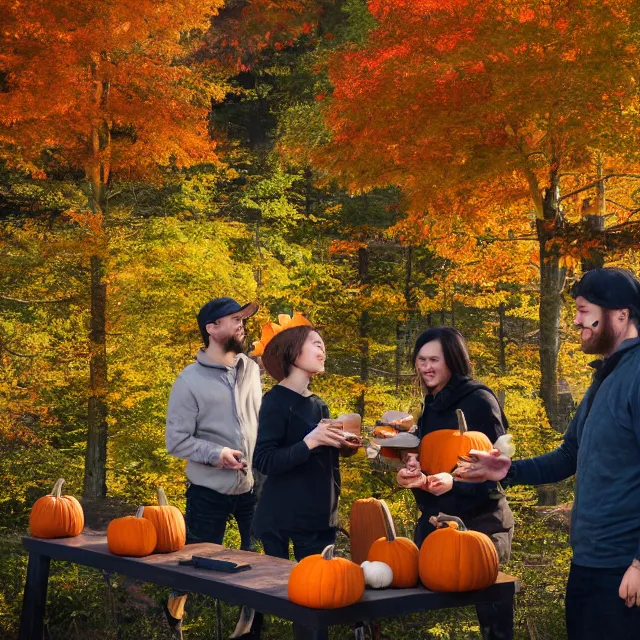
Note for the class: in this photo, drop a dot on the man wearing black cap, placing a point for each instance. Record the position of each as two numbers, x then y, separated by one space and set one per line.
212 422
601 446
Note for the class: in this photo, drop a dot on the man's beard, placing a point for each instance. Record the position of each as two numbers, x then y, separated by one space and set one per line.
604 342
233 344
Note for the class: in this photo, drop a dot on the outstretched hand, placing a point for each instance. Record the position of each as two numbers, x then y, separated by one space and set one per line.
480 466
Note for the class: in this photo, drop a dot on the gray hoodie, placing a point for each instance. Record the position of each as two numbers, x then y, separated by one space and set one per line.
212 406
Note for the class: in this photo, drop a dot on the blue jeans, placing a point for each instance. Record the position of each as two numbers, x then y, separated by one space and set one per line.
207 514
593 608
209 511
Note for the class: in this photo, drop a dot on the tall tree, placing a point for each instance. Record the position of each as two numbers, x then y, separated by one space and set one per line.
507 100
104 89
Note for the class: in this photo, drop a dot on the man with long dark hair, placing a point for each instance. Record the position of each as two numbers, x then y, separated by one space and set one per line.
601 446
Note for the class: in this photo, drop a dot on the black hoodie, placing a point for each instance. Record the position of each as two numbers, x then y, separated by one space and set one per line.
483 413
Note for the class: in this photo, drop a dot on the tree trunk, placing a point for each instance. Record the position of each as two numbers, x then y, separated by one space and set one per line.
552 279
502 354
363 276
411 304
399 352
453 308
594 217
95 472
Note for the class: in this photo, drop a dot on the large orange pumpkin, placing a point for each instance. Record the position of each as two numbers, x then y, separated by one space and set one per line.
323 581
366 525
439 450
452 558
169 524
132 536
401 554
56 516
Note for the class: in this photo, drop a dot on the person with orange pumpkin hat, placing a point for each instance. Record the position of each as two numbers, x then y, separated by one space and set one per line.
298 446
442 363
601 446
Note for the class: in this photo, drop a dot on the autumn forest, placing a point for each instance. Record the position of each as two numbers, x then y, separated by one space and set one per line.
382 166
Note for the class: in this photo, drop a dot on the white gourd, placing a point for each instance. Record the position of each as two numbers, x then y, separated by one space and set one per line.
377 575
505 445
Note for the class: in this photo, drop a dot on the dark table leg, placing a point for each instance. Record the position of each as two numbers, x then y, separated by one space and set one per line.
35 598
309 633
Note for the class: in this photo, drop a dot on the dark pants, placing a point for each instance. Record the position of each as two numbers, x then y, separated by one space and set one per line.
209 511
495 618
593 608
276 543
207 514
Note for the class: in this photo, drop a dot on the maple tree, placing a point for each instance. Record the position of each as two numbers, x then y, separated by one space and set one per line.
372 269
472 107
104 89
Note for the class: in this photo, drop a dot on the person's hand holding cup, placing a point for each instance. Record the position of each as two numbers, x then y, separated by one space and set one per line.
327 433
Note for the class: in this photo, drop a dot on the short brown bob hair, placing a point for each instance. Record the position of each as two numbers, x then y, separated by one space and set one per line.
283 350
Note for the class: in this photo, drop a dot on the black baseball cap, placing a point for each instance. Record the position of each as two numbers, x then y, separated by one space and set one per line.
221 307
610 288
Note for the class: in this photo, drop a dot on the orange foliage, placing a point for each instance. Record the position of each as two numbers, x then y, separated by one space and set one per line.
466 97
104 86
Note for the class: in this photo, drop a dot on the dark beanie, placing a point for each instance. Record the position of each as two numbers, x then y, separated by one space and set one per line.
610 288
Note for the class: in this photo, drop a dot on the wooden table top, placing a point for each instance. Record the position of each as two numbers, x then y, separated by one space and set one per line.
263 587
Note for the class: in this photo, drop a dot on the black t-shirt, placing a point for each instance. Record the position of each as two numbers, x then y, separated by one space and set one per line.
303 486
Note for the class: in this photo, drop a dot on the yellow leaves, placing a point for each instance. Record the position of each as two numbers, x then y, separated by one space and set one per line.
569 261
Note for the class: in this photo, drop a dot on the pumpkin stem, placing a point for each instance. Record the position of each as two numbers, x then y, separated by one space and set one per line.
388 522
462 421
440 521
57 488
139 512
328 552
162 497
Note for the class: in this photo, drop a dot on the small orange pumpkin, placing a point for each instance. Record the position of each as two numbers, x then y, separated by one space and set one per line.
323 581
169 524
452 558
401 554
439 450
132 536
56 516
366 525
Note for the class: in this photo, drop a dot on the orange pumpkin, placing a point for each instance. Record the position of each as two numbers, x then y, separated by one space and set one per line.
323 581
439 450
366 525
132 536
452 558
56 516
401 554
169 524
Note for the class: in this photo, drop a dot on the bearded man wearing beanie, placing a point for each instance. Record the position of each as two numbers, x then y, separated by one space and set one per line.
602 448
